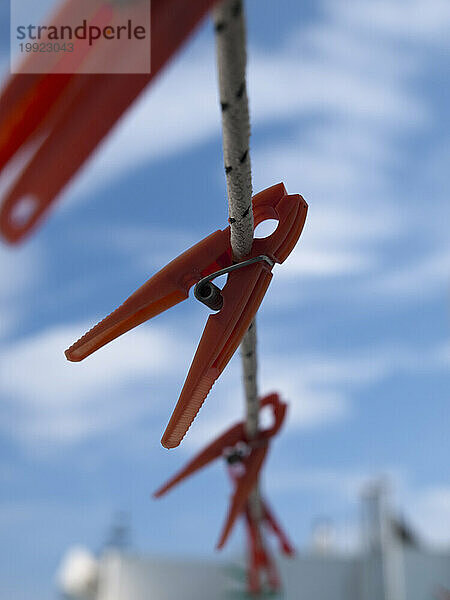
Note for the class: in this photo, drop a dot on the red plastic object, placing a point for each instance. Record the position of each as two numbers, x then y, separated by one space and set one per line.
259 558
242 296
249 456
27 97
231 438
61 118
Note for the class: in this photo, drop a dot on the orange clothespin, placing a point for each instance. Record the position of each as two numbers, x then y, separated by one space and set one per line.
259 558
59 118
245 459
237 303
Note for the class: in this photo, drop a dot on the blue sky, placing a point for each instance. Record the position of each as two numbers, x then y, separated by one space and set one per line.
349 105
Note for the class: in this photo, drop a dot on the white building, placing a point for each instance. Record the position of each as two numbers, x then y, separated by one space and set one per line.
391 567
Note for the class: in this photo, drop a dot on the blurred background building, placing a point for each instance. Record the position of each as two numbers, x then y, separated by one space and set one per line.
390 564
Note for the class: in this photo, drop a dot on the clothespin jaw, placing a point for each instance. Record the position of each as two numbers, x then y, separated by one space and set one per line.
244 485
58 119
165 289
213 451
285 545
241 298
255 554
259 558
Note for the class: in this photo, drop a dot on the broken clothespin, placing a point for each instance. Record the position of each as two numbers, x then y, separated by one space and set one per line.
245 459
54 121
237 303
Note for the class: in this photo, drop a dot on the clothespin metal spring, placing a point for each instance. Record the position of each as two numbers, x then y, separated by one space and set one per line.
210 294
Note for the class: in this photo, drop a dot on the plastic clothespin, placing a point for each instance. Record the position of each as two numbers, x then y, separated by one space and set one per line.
235 446
237 303
245 458
29 96
259 558
285 546
57 119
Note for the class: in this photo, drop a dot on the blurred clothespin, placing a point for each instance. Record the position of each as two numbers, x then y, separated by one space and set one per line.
245 459
237 303
56 119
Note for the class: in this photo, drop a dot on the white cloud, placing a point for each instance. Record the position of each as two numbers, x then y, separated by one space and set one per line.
139 376
444 354
20 269
348 484
338 495
318 388
60 402
171 116
309 408
427 507
342 164
175 113
146 248
430 510
419 278
314 397
412 19
339 240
